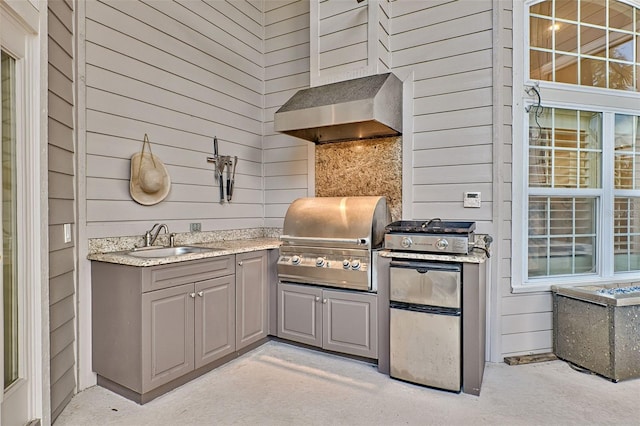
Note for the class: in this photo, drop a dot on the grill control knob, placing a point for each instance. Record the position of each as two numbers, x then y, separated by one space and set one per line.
355 264
320 262
296 260
346 264
406 242
442 244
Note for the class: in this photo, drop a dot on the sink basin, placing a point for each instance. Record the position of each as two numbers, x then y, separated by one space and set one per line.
151 252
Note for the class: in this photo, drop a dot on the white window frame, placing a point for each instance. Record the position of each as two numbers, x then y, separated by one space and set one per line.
555 95
23 34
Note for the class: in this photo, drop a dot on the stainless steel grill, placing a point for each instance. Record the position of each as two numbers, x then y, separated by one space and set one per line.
330 241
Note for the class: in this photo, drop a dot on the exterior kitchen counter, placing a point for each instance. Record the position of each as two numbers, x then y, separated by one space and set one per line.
222 248
474 257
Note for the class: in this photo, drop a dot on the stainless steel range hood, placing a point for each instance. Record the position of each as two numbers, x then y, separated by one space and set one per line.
362 108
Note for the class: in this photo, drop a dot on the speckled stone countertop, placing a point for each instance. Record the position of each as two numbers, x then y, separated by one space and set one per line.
473 257
222 248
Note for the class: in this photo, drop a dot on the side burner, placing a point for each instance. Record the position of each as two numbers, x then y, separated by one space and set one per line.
429 236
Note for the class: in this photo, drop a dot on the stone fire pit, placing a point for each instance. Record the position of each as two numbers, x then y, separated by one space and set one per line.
597 327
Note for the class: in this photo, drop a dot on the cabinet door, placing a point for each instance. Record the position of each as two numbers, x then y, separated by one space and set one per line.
214 319
299 314
167 335
251 298
350 323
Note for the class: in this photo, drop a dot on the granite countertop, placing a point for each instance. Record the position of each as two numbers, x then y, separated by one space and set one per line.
223 248
476 256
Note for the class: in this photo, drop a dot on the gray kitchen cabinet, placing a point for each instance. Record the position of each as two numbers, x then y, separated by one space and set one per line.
214 319
252 298
167 329
336 320
157 327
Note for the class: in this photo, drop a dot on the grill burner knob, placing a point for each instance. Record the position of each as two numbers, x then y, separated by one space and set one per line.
346 264
406 242
442 244
355 265
295 260
320 262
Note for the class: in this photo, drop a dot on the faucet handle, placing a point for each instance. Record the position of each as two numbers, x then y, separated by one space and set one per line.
172 239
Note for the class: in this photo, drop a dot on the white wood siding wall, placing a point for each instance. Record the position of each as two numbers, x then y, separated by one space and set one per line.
343 31
61 202
448 47
526 319
185 71
384 40
286 71
182 72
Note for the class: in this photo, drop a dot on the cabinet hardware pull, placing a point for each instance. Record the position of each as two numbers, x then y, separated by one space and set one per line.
317 298
193 295
240 263
201 293
324 301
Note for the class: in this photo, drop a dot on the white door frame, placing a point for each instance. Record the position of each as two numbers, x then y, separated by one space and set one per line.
23 32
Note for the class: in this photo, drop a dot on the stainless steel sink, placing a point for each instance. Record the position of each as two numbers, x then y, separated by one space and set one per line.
152 252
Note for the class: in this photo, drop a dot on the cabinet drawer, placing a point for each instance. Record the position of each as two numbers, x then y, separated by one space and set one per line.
164 276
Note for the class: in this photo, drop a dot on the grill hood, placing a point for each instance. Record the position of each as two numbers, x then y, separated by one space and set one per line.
362 108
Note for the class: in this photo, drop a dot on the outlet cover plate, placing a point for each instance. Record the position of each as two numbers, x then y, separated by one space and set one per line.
195 227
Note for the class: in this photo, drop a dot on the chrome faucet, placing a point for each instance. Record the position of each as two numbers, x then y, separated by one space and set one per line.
150 237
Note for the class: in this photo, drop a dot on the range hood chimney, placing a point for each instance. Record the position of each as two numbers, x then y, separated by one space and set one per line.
362 108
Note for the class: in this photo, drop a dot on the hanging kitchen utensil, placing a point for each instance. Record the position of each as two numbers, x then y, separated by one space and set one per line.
233 178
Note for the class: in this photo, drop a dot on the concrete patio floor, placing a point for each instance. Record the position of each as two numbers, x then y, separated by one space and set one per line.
281 384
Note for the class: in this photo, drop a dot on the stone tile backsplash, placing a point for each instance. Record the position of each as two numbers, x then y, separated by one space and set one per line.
362 167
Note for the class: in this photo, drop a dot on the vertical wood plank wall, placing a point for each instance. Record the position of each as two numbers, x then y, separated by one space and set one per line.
182 72
61 202
286 71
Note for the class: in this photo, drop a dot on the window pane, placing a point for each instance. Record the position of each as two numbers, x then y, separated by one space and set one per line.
562 236
593 72
543 8
620 15
541 66
627 152
620 76
593 11
620 46
566 69
540 33
9 218
565 148
626 243
567 9
566 37
593 41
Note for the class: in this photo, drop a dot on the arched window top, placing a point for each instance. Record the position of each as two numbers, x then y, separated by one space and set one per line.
593 43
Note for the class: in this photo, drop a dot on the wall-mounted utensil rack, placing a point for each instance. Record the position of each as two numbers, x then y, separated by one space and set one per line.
222 163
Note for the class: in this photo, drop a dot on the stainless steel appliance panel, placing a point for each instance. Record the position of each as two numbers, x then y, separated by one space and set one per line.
433 284
329 241
347 222
426 348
